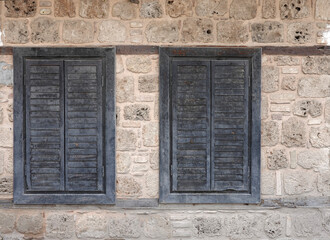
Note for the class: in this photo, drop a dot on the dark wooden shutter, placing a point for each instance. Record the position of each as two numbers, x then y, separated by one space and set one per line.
191 119
44 167
230 125
83 117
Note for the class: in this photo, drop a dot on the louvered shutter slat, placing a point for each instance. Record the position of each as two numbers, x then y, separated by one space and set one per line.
44 125
83 96
191 136
230 111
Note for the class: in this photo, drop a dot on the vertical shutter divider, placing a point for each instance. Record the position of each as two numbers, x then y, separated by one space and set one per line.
100 163
211 170
64 129
173 92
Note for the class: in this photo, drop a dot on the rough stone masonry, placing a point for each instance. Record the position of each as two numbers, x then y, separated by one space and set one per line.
295 172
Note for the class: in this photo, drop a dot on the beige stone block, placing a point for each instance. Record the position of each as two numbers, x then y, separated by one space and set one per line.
307 225
45 11
270 79
243 9
322 10
128 187
112 31
78 31
94 8
137 112
151 9
122 227
287 61
163 31
16 31
269 9
320 137
20 8
177 8
293 159
6 137
298 182
7 222
210 8
268 183
269 133
119 64
30 224
313 159
197 30
290 70
277 159
295 9
158 227
126 140
154 160
45 30
91 225
314 121
289 83
152 184
124 10
45 4
294 133
64 8
314 87
282 96
232 32
150 134
267 32
316 65
300 33
264 107
304 108
139 64
148 83
280 108
60 226
123 162
327 111
125 89
323 186
136 24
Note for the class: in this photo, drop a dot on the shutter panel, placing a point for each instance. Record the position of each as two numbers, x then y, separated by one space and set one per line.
83 117
191 132
44 165
230 123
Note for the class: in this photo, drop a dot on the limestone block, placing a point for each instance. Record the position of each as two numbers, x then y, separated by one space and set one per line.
320 137
150 133
9 162
267 32
308 107
151 9
243 9
316 65
313 159
139 64
45 4
78 31
293 133
290 70
124 10
10 110
112 31
277 159
241 226
45 11
296 183
128 187
323 186
294 9
91 226
124 227
119 64
45 30
264 107
307 225
6 185
322 10
232 32
289 83
2 158
269 9
300 33
154 160
269 133
148 83
123 162
64 8
327 111
6 137
126 140
21 8
275 226
125 89
270 79
31 223
314 87
7 222
16 31
152 184
208 226
209 8
282 97
6 73
268 181
177 8
60 226
137 112
287 61
158 227
163 31
94 8
197 30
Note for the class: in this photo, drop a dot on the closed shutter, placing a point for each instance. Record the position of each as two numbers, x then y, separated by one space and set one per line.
44 167
230 125
210 122
191 120
83 117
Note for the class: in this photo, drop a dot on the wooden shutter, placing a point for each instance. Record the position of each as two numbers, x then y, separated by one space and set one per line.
83 118
230 125
44 166
191 119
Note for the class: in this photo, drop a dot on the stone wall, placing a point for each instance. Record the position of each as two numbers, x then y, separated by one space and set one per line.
295 172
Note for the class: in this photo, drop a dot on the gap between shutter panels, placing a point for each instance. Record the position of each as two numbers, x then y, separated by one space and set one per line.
80 175
232 172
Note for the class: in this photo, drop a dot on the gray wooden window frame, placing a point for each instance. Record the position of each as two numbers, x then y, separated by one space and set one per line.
167 55
107 195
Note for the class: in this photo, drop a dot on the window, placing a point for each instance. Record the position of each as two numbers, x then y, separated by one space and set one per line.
210 125
64 126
